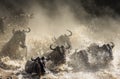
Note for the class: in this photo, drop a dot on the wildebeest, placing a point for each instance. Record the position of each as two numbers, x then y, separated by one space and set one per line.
63 39
94 56
35 66
11 48
102 53
58 56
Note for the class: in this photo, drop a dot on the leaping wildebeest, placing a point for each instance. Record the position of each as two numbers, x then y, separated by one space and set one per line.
63 39
11 48
57 55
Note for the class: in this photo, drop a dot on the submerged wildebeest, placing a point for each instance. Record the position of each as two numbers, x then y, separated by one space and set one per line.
63 39
11 48
58 56
94 56
36 66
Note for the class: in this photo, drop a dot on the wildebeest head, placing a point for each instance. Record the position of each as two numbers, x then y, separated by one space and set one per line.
60 49
108 46
33 67
57 56
63 39
19 36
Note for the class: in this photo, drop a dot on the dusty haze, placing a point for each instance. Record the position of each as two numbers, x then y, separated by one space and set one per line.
91 21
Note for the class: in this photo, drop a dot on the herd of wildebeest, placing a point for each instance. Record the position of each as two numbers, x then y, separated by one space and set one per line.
94 56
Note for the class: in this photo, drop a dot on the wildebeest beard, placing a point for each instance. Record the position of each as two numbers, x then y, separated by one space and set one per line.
11 48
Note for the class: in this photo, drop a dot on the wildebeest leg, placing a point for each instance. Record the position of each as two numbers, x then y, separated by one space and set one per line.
42 70
110 53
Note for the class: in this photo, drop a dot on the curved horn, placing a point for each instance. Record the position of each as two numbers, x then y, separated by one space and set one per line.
51 47
112 44
70 33
28 30
13 31
68 46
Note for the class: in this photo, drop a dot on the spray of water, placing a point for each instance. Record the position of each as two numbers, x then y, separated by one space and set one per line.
95 30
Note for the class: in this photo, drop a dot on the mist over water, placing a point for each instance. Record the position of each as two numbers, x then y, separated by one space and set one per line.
89 24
